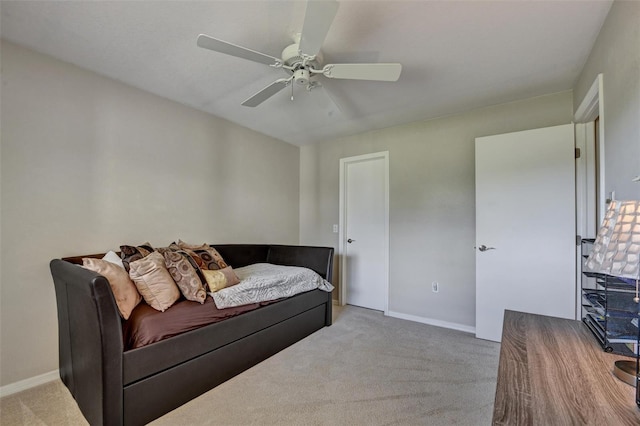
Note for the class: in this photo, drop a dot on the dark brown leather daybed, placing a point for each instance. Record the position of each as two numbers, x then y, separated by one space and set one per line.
115 385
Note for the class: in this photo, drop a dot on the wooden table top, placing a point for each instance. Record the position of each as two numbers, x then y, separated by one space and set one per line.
553 372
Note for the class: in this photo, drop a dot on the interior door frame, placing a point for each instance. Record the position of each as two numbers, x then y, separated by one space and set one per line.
592 107
342 235
587 209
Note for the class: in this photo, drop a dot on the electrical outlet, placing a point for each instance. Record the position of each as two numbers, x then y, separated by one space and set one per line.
335 229
435 287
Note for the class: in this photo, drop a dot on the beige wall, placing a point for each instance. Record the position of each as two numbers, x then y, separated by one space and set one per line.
616 54
89 163
432 200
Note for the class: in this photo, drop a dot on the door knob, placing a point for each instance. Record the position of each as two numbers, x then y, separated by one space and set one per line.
485 248
350 240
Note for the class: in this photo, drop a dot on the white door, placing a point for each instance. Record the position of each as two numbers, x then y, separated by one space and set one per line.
364 236
525 226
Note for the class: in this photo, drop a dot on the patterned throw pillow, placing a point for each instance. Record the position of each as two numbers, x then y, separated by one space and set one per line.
124 290
196 258
186 274
222 278
132 253
154 282
209 256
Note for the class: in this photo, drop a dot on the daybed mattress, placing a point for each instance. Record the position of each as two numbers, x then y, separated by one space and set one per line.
147 325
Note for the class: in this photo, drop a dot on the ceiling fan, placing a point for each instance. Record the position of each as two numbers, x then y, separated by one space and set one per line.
302 60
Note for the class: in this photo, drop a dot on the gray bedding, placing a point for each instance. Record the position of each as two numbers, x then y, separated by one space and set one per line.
262 282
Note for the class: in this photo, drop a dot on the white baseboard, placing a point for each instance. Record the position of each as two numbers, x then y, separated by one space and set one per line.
430 321
31 382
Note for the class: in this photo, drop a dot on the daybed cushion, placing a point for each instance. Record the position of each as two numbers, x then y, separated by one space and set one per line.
186 274
222 278
132 253
146 325
210 256
124 290
154 282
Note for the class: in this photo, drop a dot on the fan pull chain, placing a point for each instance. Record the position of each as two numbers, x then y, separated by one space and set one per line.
292 92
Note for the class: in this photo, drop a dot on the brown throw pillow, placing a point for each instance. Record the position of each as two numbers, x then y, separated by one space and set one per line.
124 290
221 278
132 253
196 257
209 256
186 274
154 282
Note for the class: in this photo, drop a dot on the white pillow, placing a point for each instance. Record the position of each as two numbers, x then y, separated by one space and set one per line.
112 257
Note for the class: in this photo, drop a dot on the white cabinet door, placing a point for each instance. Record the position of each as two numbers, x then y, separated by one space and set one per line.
525 217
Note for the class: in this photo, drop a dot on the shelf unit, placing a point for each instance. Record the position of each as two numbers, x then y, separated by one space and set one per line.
608 308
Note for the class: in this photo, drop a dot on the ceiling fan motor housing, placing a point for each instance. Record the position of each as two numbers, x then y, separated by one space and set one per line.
291 56
301 76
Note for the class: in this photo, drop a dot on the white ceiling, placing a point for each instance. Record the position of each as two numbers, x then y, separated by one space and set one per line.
456 55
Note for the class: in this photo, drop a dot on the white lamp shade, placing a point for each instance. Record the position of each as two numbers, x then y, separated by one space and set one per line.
616 250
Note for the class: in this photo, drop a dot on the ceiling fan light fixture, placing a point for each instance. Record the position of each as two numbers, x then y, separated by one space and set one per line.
301 76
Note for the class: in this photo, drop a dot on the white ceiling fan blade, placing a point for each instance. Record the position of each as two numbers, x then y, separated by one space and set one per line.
221 46
377 72
317 20
267 92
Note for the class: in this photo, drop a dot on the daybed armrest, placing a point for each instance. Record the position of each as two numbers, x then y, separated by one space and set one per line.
90 341
318 259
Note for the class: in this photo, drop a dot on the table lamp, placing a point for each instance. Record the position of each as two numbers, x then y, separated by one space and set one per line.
616 252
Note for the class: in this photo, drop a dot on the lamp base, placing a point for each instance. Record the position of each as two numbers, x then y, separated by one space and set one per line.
625 370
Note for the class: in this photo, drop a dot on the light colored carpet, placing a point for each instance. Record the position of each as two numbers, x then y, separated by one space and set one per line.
364 369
